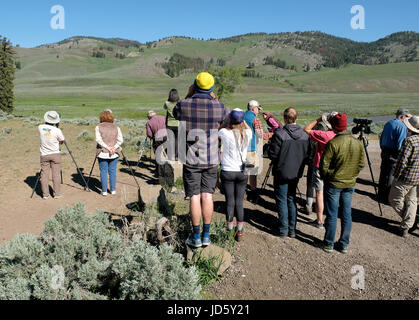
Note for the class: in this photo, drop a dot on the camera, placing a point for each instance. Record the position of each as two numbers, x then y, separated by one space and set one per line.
363 126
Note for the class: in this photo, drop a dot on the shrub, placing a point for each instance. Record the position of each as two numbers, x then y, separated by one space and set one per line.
80 256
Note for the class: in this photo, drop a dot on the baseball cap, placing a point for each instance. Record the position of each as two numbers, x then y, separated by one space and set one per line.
402 112
254 103
236 116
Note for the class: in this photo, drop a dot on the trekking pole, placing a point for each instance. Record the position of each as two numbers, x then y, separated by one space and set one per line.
36 183
91 170
78 169
141 203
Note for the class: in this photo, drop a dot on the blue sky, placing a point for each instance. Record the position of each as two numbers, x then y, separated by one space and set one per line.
27 23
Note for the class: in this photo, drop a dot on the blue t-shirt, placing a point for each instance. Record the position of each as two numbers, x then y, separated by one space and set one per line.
394 133
249 116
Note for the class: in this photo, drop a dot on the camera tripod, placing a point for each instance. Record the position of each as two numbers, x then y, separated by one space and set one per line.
365 144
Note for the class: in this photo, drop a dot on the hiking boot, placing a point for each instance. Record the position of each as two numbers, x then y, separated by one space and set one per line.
326 248
316 224
291 235
206 239
58 196
194 242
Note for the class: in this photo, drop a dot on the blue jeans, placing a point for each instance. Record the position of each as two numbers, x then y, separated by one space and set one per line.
332 199
108 166
285 192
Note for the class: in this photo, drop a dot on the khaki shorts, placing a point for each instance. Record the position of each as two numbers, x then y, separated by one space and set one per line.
317 181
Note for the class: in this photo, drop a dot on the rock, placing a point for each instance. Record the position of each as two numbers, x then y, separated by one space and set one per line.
177 169
209 252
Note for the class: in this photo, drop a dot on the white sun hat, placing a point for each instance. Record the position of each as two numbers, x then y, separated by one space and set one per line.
412 123
52 117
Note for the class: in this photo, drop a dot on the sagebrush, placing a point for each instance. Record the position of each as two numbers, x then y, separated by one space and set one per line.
96 262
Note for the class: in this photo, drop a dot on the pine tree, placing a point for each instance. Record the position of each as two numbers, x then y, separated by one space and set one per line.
7 75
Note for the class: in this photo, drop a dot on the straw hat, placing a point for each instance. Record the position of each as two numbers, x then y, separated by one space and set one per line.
52 117
412 124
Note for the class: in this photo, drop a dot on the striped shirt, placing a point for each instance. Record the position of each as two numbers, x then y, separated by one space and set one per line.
200 116
407 167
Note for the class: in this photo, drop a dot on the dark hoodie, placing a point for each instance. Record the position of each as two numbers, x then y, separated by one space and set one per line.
289 151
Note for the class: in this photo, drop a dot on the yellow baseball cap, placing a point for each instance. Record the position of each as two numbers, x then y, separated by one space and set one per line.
205 81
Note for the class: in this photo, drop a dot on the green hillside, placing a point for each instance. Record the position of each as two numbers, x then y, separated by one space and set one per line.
132 77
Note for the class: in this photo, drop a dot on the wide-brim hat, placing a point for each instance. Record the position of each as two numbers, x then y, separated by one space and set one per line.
52 117
412 123
326 118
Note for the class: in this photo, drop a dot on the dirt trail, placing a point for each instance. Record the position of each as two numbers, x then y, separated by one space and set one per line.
264 266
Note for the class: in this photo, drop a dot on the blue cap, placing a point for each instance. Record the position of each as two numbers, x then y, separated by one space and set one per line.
236 116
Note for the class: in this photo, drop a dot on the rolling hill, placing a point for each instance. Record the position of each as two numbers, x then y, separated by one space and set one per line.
279 69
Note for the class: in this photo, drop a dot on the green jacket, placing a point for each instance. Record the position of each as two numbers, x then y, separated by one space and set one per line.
170 120
342 161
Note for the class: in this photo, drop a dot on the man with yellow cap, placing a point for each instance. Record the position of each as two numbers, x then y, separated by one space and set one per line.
200 115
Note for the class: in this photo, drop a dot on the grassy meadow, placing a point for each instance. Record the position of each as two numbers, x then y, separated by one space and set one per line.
65 77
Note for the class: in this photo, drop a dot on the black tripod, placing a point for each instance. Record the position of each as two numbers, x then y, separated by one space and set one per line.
78 169
140 202
365 144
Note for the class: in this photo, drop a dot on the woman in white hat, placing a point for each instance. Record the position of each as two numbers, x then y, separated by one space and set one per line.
51 137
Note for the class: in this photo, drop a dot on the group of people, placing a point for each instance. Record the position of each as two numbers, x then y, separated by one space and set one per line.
108 150
216 144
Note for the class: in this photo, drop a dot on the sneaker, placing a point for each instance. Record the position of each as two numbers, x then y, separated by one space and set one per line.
58 196
104 194
239 236
291 235
316 224
194 242
342 249
206 239
326 248
113 192
282 236
45 198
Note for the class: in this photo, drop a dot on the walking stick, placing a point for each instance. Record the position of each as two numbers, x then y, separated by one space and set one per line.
91 170
141 203
61 172
36 183
78 169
